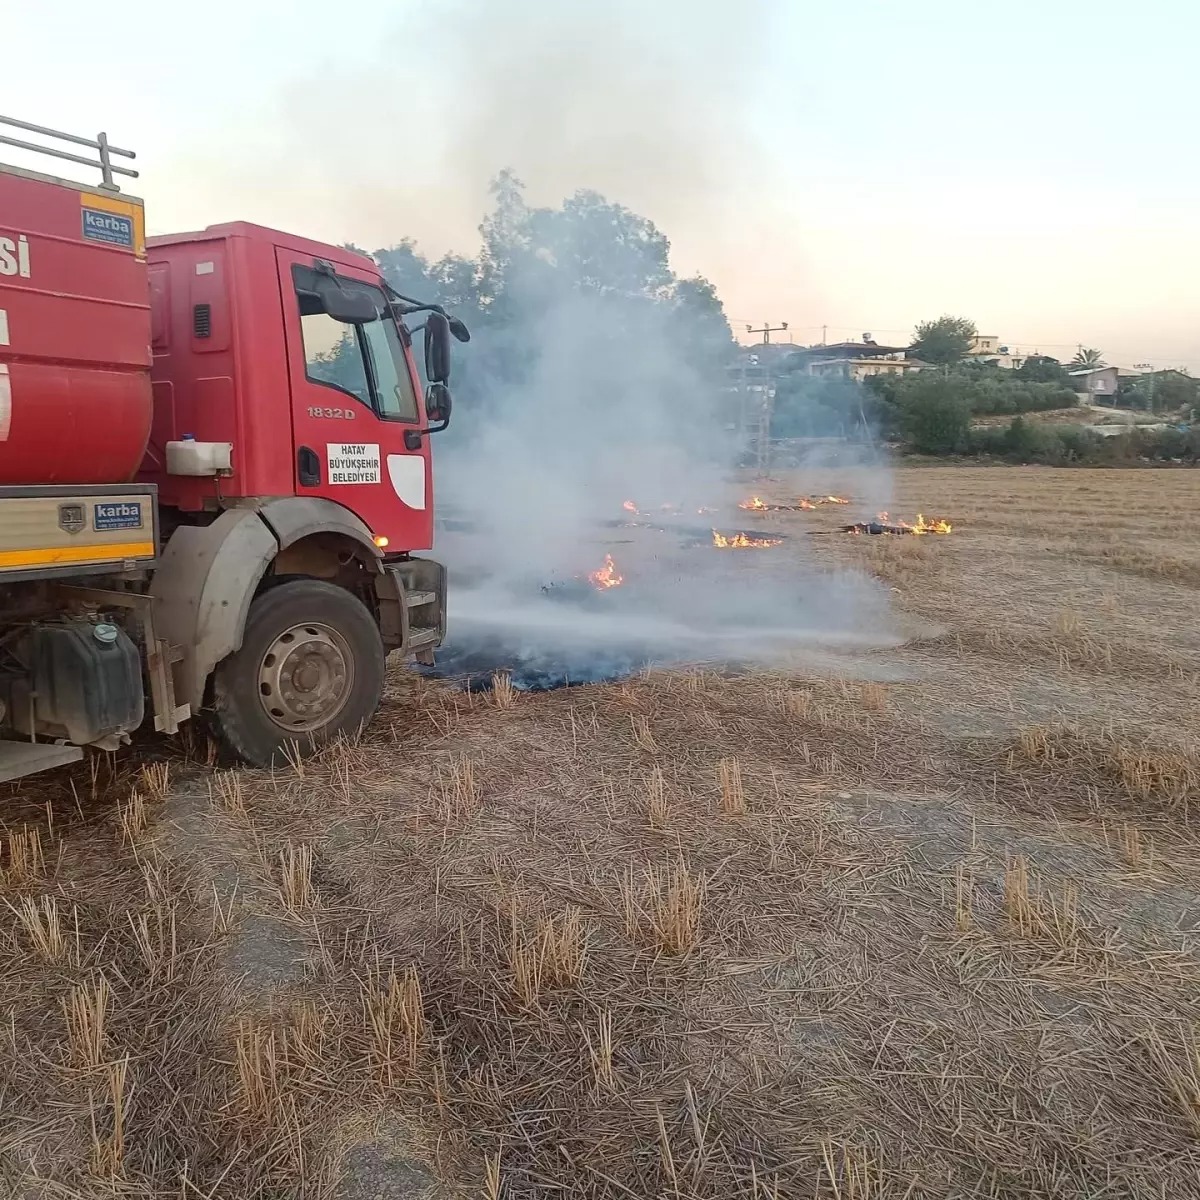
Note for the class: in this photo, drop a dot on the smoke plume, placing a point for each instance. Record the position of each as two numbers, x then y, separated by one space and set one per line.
597 381
595 374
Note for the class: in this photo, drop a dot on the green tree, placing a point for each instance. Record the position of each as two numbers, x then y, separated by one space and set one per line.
577 301
341 364
698 318
985 390
1024 441
505 232
935 416
455 282
405 268
1171 391
1087 358
808 406
598 246
1041 368
943 342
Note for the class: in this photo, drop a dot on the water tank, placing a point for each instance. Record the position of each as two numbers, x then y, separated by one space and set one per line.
75 400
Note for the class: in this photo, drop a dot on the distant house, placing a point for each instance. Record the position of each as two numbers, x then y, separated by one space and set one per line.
855 360
1100 385
1095 384
988 348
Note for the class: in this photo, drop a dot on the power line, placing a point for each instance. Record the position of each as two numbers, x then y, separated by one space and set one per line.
1013 343
1023 341
768 329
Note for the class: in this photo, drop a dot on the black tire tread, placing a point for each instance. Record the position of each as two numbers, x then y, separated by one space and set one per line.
248 734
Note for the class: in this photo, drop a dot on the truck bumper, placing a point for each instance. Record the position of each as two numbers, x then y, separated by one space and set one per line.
412 607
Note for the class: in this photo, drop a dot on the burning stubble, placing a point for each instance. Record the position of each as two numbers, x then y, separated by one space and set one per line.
719 608
743 541
757 504
543 586
884 523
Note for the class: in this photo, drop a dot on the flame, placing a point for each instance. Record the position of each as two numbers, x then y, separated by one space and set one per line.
607 576
629 506
934 526
755 502
742 541
813 501
922 525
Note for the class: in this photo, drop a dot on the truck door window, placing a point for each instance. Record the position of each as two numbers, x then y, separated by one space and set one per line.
365 360
397 399
333 356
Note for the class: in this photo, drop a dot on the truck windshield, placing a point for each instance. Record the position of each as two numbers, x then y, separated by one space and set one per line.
364 359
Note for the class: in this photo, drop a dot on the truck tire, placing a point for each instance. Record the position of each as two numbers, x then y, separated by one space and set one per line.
310 667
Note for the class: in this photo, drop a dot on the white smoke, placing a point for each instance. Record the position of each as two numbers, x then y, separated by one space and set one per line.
612 404
611 401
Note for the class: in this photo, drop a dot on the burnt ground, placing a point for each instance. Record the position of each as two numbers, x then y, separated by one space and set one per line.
911 917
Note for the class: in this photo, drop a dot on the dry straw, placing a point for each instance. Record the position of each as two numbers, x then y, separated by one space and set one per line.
589 987
26 861
663 906
733 794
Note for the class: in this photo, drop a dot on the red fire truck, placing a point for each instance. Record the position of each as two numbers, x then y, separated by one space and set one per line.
215 474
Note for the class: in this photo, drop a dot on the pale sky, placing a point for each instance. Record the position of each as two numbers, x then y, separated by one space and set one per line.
861 166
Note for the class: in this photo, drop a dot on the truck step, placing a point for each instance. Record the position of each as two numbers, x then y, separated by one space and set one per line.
417 638
24 758
416 599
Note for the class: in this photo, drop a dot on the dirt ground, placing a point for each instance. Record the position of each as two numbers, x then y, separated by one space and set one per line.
764 933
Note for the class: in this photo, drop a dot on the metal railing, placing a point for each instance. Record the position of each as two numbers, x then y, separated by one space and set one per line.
107 168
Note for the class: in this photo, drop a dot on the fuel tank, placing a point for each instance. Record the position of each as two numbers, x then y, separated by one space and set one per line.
75 399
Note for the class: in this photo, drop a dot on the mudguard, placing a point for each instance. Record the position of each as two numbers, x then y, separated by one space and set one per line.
296 517
208 575
206 579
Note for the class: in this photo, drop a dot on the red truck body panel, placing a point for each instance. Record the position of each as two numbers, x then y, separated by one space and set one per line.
75 399
112 346
230 366
203 385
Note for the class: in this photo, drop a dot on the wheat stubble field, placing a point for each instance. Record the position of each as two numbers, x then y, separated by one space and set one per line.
923 930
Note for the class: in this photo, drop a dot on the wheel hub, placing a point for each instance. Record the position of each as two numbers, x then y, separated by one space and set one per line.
306 677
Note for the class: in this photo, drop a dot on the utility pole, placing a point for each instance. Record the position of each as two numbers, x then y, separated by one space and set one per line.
743 399
762 454
762 449
756 395
767 330
1149 369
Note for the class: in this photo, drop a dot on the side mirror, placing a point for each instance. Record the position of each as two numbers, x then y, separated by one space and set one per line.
459 330
437 411
438 405
437 348
349 307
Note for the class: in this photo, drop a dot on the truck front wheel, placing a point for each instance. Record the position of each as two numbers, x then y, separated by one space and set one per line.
310 667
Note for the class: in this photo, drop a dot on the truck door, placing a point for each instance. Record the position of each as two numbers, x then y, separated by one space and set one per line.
355 395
